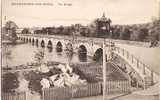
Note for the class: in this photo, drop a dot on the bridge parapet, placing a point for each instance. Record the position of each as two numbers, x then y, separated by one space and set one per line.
98 41
139 67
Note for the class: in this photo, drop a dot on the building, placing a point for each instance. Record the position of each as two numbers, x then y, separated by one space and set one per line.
103 26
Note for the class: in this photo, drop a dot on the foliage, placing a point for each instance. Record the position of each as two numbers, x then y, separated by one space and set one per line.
34 79
9 82
6 53
137 32
39 56
9 30
25 31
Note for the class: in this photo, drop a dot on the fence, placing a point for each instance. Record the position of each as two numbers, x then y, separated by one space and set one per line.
14 96
92 89
67 93
56 94
142 69
137 43
119 86
71 92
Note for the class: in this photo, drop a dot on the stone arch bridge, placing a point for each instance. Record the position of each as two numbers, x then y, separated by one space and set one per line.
90 46
93 46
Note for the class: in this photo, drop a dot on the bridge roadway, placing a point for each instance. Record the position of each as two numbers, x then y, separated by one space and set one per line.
148 57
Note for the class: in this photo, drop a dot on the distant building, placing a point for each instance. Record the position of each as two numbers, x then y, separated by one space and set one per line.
103 26
19 30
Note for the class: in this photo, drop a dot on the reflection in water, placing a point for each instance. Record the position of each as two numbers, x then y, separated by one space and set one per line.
49 45
33 43
82 53
82 57
50 49
37 45
59 47
69 55
42 44
98 56
24 53
37 42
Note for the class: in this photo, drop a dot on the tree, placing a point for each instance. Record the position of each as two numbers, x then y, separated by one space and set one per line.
25 31
39 56
9 82
11 27
143 33
115 32
7 54
34 81
84 31
125 34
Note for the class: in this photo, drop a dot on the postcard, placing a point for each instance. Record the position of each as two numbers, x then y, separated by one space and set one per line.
80 50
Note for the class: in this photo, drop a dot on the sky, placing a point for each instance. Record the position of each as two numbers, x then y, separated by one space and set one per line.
77 11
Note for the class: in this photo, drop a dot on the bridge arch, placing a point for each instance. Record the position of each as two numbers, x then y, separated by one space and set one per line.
33 41
98 55
23 39
37 42
26 40
59 46
82 53
30 40
42 43
49 45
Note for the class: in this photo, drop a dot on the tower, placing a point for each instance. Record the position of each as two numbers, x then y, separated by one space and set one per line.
103 26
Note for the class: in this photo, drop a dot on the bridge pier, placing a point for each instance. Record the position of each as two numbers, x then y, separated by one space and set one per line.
137 63
152 81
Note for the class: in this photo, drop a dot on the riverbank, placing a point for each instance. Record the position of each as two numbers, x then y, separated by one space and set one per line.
8 42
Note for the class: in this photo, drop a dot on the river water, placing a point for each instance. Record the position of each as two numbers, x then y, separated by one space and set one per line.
13 55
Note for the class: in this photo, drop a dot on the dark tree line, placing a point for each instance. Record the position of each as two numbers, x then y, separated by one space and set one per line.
137 32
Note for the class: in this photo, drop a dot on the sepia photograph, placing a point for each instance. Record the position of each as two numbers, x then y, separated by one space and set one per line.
80 50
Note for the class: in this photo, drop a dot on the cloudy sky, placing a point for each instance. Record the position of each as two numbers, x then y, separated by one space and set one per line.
78 11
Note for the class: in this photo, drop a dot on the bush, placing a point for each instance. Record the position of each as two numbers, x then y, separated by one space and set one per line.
34 79
9 82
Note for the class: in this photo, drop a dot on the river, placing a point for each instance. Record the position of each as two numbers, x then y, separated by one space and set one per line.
14 55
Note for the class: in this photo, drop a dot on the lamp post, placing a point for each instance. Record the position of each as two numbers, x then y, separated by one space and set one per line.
104 70
108 28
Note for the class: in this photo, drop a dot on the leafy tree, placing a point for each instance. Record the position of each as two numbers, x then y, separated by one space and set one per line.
39 56
6 53
143 33
25 31
115 32
125 33
34 81
9 82
11 27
